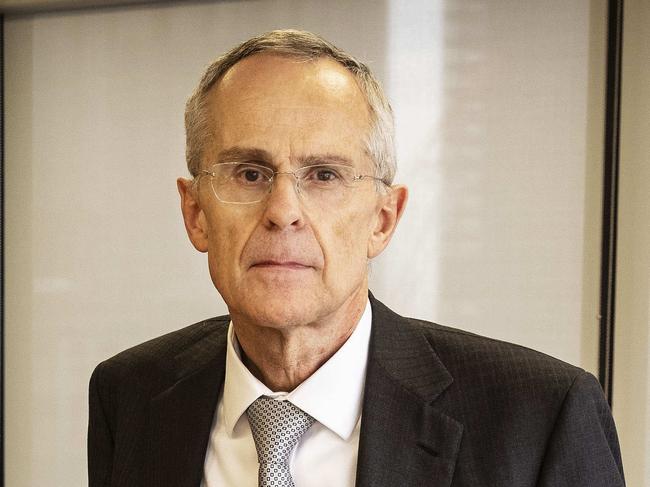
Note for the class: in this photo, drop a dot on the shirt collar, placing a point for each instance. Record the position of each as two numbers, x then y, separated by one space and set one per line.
332 395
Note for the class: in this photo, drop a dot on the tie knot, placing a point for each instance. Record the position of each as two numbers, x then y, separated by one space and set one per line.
276 426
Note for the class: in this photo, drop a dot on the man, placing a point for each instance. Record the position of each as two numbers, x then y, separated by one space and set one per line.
310 381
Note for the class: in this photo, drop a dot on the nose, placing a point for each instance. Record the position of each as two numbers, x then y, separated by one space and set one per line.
283 207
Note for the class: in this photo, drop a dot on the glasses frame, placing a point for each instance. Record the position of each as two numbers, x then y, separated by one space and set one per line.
265 170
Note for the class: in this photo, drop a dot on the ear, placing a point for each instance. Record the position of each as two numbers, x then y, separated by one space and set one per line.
195 221
389 211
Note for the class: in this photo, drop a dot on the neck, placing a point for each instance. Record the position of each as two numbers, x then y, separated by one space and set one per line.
283 358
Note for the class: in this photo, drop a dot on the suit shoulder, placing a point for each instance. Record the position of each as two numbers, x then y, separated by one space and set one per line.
491 358
471 358
157 353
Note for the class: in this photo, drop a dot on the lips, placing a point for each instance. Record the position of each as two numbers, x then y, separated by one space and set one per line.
280 264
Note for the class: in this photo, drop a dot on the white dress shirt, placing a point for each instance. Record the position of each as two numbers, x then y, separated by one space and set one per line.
327 453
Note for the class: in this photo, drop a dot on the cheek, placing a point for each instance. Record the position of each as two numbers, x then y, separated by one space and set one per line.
219 261
351 239
227 237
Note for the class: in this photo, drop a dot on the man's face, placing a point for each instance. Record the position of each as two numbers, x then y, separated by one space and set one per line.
289 260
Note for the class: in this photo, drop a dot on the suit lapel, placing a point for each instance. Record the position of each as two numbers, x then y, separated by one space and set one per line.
404 439
181 416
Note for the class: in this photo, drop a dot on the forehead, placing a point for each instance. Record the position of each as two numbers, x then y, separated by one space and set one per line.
279 103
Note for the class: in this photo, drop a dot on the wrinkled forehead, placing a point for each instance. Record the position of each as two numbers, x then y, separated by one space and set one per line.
268 99
265 74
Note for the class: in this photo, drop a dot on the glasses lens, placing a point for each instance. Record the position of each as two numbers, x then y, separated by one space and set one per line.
325 185
325 181
239 182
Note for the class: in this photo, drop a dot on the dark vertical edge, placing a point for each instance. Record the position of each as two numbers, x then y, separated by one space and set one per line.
610 195
2 249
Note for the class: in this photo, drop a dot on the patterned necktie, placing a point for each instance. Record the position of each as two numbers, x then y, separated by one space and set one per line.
277 426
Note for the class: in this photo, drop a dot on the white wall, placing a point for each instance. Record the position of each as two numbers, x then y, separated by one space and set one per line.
498 107
632 341
499 111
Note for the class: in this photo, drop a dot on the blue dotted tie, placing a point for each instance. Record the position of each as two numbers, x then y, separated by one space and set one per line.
277 427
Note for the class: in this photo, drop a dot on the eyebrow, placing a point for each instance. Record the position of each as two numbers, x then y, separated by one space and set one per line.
262 157
245 154
317 159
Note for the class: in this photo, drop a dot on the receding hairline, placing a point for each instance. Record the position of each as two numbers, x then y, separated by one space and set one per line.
300 46
313 60
211 95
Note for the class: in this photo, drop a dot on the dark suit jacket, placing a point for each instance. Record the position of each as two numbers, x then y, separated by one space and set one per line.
442 407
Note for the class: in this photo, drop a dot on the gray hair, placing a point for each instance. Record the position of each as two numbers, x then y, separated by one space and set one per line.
304 46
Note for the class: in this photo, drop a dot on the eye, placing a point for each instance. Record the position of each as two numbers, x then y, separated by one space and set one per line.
249 174
323 174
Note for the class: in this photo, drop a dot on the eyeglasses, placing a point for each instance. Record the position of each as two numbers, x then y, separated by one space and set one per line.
247 183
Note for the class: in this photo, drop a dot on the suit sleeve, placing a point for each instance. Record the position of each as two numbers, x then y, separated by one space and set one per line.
583 449
100 432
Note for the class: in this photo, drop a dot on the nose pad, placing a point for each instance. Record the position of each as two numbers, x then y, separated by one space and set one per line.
284 207
296 182
298 185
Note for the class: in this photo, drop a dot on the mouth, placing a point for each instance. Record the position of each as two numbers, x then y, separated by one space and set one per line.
280 265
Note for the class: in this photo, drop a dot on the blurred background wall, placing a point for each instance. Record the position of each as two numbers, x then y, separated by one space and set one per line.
632 346
499 110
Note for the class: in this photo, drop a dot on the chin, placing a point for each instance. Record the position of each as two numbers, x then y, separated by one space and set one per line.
283 315
286 308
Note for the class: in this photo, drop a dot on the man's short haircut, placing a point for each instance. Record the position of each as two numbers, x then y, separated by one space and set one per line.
303 46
